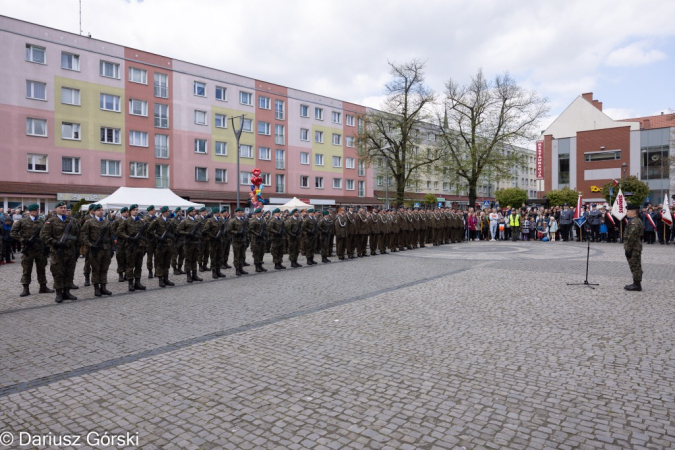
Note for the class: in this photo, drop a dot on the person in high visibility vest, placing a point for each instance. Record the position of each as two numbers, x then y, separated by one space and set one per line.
514 222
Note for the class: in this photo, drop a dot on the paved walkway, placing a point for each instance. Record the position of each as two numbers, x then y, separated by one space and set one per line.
474 345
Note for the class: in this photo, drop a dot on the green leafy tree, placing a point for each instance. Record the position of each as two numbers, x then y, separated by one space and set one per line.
630 185
429 200
78 206
559 197
513 197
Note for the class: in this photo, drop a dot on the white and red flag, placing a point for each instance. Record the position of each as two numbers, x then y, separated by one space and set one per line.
666 217
579 218
649 218
619 207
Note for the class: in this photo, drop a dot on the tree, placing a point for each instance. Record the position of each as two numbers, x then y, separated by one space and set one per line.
562 196
511 197
394 136
429 200
482 121
630 185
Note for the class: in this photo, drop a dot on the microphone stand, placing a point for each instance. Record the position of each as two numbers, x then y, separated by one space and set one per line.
586 283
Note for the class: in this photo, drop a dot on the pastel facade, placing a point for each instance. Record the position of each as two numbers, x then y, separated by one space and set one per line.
82 117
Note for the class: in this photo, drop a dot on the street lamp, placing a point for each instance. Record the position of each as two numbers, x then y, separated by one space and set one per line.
237 135
624 166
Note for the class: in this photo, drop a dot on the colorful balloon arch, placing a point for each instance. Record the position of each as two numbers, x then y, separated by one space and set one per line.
255 196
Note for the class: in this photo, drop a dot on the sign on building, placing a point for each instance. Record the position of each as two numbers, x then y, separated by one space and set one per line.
68 197
540 160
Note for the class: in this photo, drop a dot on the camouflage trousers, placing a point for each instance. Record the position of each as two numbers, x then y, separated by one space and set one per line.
635 265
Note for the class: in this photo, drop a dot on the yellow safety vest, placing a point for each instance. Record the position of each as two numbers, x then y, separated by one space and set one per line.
516 222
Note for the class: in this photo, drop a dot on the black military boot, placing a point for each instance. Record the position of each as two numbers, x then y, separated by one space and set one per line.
237 272
262 268
138 285
73 286
220 274
86 280
195 277
324 259
636 286
168 282
295 264
245 264
214 274
97 290
242 271
26 291
121 278
277 266
67 295
227 266
282 266
105 291
150 274
131 285
201 268
189 277
257 268
176 271
59 296
45 290
161 281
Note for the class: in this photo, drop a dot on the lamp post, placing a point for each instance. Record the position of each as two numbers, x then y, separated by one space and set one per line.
237 135
624 166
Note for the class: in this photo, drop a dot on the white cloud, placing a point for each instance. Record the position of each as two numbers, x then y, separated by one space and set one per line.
635 54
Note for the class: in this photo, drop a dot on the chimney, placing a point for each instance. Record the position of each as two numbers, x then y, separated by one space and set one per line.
597 104
588 96
646 124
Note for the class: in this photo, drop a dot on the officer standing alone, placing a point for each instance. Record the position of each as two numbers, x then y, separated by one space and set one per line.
632 246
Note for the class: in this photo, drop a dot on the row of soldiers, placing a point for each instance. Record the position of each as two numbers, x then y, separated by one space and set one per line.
186 243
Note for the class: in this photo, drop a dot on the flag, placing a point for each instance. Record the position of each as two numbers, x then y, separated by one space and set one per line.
579 219
615 182
649 218
666 217
609 217
619 207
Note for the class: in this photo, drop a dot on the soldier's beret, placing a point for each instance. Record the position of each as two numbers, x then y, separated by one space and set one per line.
60 204
33 207
91 206
68 207
124 209
276 210
294 211
594 205
164 209
325 213
310 210
215 210
150 208
134 206
632 207
176 210
203 208
238 209
223 210
190 209
257 210
96 207
565 204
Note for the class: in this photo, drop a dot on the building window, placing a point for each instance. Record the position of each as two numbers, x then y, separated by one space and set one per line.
70 131
70 96
161 116
221 93
36 90
361 124
279 159
138 169
318 113
279 109
304 158
280 184
221 148
304 181
655 163
161 85
200 89
36 127
337 161
221 121
200 146
109 70
362 189
349 141
379 180
279 135
70 61
304 111
318 182
318 137
201 174
110 168
35 54
161 146
602 156
304 134
138 75
266 179
138 138
245 98
110 135
264 128
362 168
349 163
349 120
318 159
264 102
264 153
337 139
221 175
349 185
70 165
428 184
337 183
446 186
337 117
162 176
246 151
200 117
245 177
436 185
110 103
138 108
37 163
564 169
247 126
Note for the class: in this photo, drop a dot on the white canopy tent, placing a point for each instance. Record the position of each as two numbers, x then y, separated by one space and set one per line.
294 204
144 197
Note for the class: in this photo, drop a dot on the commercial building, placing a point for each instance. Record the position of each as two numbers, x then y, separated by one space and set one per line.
82 117
584 149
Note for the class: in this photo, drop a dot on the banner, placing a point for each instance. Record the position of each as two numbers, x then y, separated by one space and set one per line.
540 160
619 207
666 217
579 218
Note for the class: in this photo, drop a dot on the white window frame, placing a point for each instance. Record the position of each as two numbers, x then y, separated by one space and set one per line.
280 162
76 131
304 134
138 138
75 61
304 156
205 171
318 157
159 147
222 118
349 141
30 126
348 183
318 182
223 90
304 181
143 75
143 107
280 183
219 146
31 49
159 87
31 159
337 139
116 134
201 115
339 161
136 165
279 112
279 134
361 164
337 115
198 146
349 120
73 93
107 162
362 188
75 161
262 150
197 86
247 127
306 108
245 177
266 129
266 179
223 178
350 163
116 102
339 183
115 67
318 113
30 90
318 137
264 102
162 182
159 116
246 151
242 94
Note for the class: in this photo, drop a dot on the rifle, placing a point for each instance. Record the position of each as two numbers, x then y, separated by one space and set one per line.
134 239
221 229
97 244
34 238
280 233
166 234
298 231
193 234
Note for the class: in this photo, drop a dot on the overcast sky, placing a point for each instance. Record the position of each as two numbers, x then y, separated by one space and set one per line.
620 50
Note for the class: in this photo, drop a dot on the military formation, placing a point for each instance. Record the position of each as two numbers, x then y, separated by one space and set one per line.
192 241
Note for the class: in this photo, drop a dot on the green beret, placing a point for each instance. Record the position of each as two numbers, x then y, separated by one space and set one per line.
223 210
310 210
239 209
257 210
60 204
325 213
91 206
276 210
190 209
96 207
150 208
164 209
69 208
203 208
134 206
33 207
177 210
215 210
294 211
123 210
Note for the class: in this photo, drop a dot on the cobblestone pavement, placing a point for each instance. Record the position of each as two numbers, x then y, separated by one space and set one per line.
473 345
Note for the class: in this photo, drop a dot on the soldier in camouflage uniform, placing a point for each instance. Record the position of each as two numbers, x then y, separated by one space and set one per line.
632 246
226 239
204 244
163 232
97 238
237 229
27 231
64 250
325 226
277 233
85 251
150 244
215 232
134 231
190 230
257 231
309 233
121 253
294 236
177 251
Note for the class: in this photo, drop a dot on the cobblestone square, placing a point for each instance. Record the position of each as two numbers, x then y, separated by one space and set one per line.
470 345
